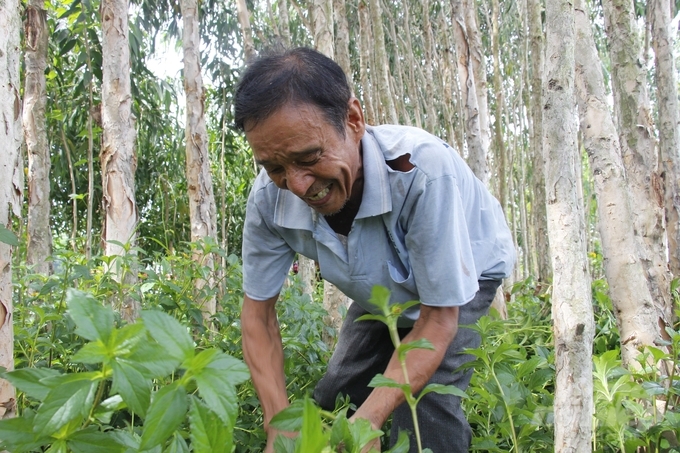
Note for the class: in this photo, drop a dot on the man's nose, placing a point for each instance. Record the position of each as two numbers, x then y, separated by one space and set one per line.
298 181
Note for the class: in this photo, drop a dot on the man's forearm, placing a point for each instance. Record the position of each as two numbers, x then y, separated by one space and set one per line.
439 326
263 353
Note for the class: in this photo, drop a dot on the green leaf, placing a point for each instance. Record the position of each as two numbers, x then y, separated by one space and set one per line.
93 320
106 408
442 390
132 386
208 434
341 434
65 403
177 445
170 334
219 394
233 367
312 438
8 237
420 343
166 413
380 298
91 440
363 433
29 381
284 444
125 340
289 419
154 359
93 352
380 380
402 445
16 434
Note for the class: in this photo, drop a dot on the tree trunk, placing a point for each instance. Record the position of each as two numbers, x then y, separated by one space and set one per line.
322 22
638 147
432 121
284 22
202 211
414 95
571 300
503 170
342 38
628 291
246 32
11 184
539 217
118 158
382 70
477 54
39 235
365 39
669 124
476 153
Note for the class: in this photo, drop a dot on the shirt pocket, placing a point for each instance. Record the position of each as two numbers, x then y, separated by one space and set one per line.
402 276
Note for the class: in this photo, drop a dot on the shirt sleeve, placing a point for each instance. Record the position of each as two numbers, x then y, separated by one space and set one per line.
439 248
266 256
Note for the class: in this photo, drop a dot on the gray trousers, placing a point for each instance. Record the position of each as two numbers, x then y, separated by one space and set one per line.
364 348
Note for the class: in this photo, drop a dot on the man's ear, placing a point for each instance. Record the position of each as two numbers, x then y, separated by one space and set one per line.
355 119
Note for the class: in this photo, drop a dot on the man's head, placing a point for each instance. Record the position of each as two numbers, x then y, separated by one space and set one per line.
304 127
296 76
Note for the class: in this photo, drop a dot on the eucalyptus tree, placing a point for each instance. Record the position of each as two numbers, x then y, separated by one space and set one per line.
534 10
668 123
638 147
628 291
118 158
198 171
572 310
34 124
11 185
382 67
244 20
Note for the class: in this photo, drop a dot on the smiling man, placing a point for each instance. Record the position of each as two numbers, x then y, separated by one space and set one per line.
386 205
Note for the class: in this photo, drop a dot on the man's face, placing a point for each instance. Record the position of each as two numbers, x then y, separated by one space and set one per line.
302 152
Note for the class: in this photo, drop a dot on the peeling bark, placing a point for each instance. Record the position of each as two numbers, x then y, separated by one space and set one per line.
572 310
11 183
638 148
118 158
628 291
202 210
35 134
246 31
322 23
382 81
669 124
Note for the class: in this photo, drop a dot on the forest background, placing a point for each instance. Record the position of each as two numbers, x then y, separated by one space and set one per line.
122 196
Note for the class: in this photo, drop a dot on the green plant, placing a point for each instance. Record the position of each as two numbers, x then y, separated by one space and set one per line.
138 385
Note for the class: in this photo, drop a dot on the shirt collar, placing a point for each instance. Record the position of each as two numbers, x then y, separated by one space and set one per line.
291 212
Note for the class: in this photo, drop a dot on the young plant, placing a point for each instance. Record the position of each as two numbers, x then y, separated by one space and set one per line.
99 408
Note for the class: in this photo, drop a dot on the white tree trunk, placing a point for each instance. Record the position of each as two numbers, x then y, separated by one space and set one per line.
118 158
11 183
202 211
342 38
628 290
39 235
365 40
638 147
382 71
246 31
284 22
572 310
669 123
322 22
476 153
539 218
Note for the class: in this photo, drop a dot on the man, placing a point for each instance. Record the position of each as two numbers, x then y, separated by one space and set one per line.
387 205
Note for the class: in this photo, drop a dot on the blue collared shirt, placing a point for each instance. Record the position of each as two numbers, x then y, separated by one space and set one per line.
428 234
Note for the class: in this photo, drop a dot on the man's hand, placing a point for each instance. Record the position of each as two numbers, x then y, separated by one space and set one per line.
263 353
439 326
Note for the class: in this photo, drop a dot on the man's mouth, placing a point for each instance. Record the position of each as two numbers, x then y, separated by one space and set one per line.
320 195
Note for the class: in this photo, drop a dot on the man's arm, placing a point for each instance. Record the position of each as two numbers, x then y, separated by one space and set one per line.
439 326
263 352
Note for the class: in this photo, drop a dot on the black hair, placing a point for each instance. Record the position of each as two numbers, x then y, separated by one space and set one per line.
301 75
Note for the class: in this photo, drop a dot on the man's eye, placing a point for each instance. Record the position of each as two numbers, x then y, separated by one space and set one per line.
308 162
275 170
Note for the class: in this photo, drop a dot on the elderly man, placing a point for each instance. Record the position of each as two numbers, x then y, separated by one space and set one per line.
386 205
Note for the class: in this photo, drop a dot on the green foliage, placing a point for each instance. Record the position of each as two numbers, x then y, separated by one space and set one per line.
150 369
